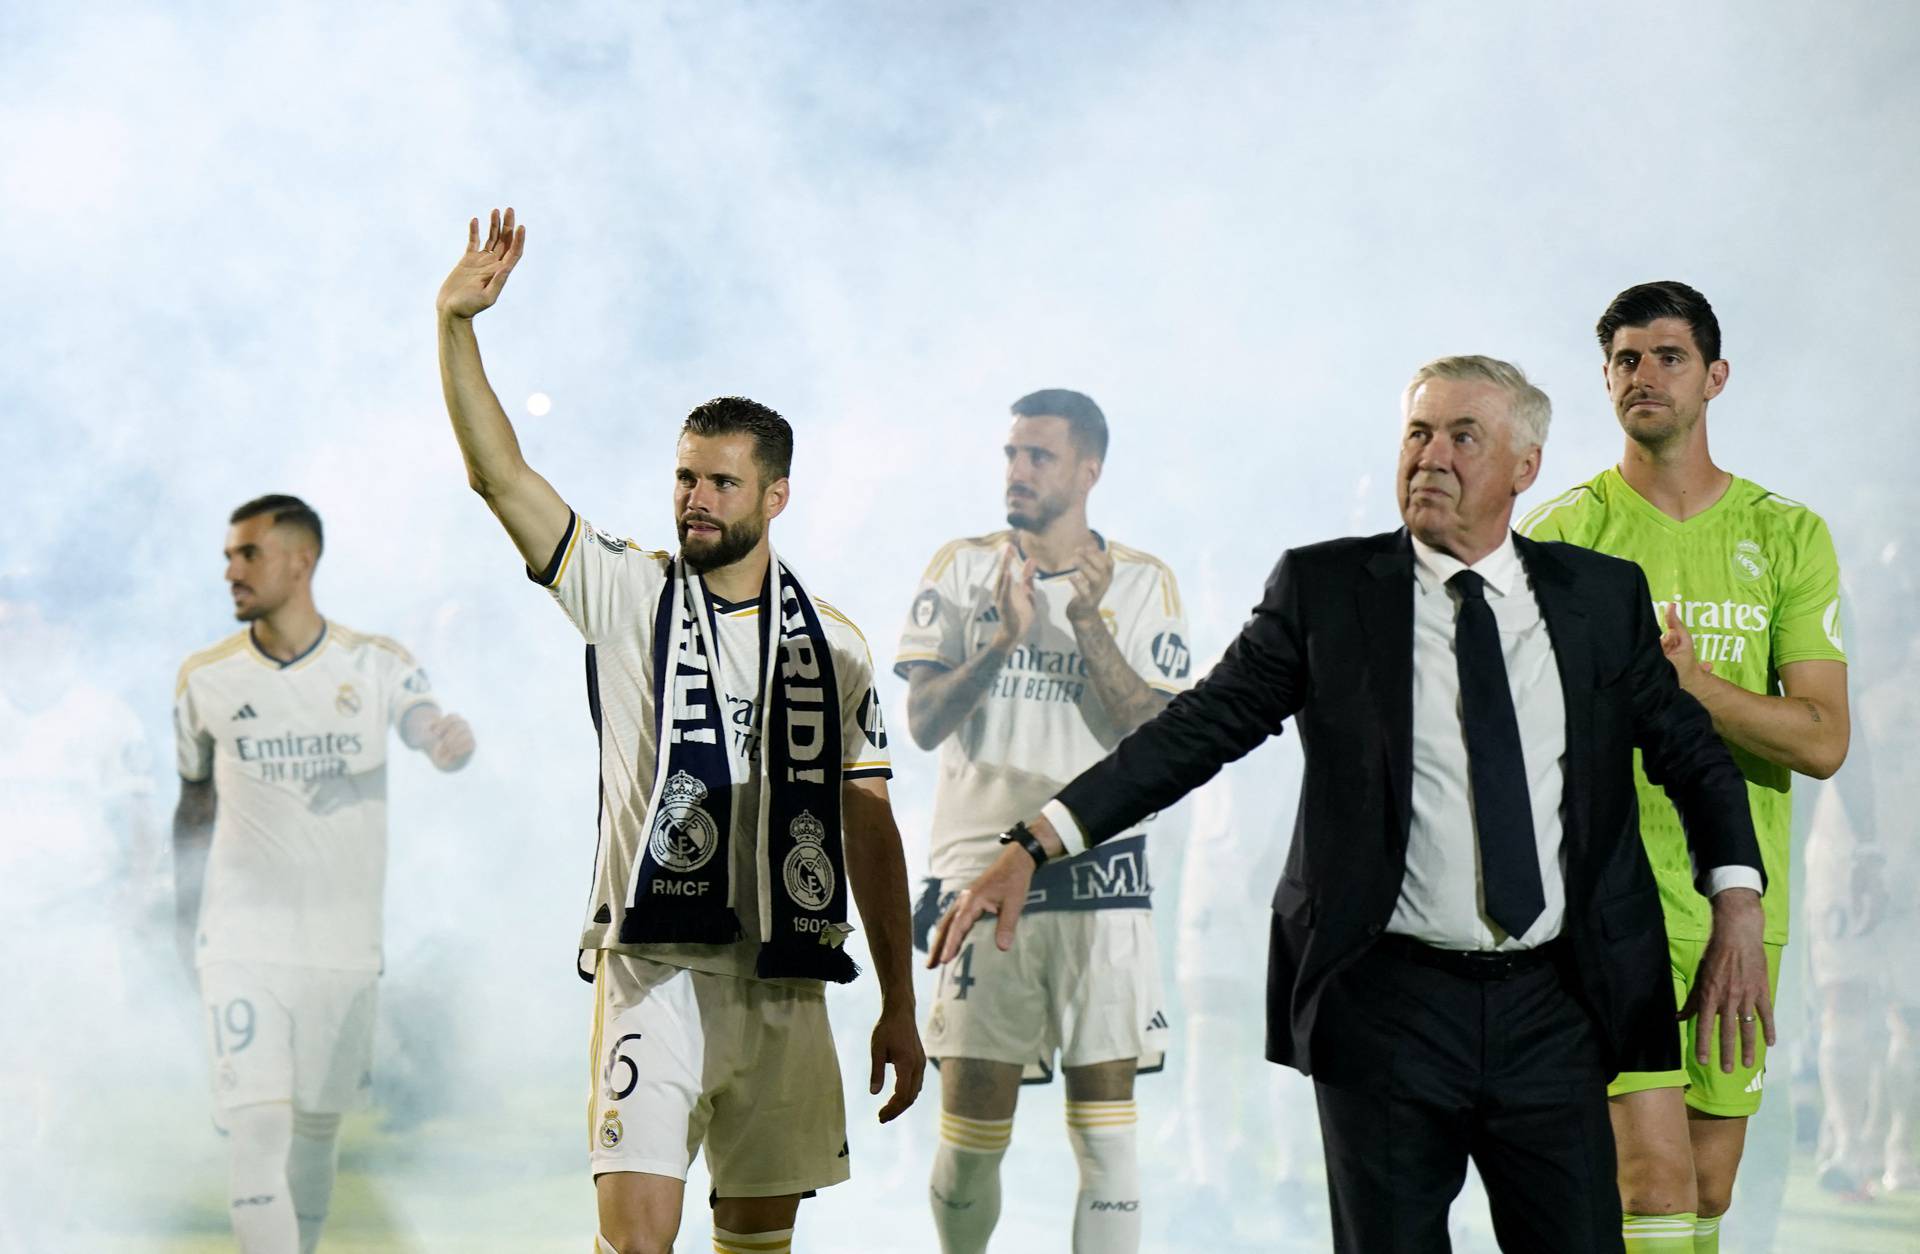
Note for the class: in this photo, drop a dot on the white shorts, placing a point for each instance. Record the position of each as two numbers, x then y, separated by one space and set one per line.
1080 984
683 1058
280 1033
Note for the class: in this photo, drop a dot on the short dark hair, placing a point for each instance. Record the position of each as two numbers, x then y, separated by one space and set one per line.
736 415
1084 419
1644 303
288 511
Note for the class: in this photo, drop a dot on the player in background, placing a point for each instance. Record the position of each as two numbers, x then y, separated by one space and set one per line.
1030 652
1860 911
1747 589
713 923
281 730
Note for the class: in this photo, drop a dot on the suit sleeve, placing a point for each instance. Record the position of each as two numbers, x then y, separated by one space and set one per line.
1245 698
1682 753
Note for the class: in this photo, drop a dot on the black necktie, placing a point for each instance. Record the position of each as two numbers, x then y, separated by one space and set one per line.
1502 810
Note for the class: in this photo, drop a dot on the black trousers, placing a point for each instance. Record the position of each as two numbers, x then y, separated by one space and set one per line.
1428 1066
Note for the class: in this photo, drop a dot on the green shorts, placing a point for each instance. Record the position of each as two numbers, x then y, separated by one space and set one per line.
1709 1089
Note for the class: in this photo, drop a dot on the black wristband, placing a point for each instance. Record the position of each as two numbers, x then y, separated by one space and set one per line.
1020 835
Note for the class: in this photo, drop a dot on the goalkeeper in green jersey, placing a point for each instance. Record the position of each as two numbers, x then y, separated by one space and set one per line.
1747 589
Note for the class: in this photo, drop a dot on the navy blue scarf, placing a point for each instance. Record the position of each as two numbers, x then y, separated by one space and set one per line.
682 888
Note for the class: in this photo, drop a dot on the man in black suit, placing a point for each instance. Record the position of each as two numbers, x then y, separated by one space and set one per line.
1467 942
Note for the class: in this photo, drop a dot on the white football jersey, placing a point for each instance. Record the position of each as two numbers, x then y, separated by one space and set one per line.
610 589
297 752
1040 724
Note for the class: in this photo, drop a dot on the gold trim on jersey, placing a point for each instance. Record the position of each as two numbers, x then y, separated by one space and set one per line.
354 638
573 542
866 766
1169 588
837 616
944 556
206 657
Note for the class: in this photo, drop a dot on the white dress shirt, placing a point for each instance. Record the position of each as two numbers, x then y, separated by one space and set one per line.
1442 899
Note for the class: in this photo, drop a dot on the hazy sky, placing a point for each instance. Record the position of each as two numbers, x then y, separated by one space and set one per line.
1239 227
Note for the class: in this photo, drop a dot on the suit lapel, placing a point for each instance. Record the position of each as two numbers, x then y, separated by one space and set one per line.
1566 619
1385 596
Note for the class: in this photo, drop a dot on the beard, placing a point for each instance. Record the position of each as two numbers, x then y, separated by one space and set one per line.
1033 513
734 542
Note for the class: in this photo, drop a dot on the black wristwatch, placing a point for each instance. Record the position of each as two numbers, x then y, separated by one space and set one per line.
1019 834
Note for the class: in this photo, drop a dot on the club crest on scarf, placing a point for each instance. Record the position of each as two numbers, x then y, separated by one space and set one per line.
684 835
809 871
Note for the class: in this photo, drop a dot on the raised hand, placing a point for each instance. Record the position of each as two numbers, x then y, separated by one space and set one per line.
482 271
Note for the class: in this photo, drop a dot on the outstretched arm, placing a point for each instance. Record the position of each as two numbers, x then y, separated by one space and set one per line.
1260 682
877 869
526 504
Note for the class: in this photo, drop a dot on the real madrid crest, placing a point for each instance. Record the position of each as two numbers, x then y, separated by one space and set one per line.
347 700
683 835
808 871
610 1129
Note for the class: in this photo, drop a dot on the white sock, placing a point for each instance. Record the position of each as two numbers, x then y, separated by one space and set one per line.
1106 1216
777 1242
310 1170
1901 1092
259 1202
965 1190
602 1245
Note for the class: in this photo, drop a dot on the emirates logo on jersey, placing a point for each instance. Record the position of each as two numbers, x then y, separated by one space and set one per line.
347 700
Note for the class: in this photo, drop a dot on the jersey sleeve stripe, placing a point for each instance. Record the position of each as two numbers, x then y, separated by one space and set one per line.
206 657
838 617
562 552
1540 512
1169 587
866 772
949 553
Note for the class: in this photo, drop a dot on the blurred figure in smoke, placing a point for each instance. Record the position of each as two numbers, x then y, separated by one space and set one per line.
1031 651
1245 1125
744 798
281 731
80 886
1748 590
1862 913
